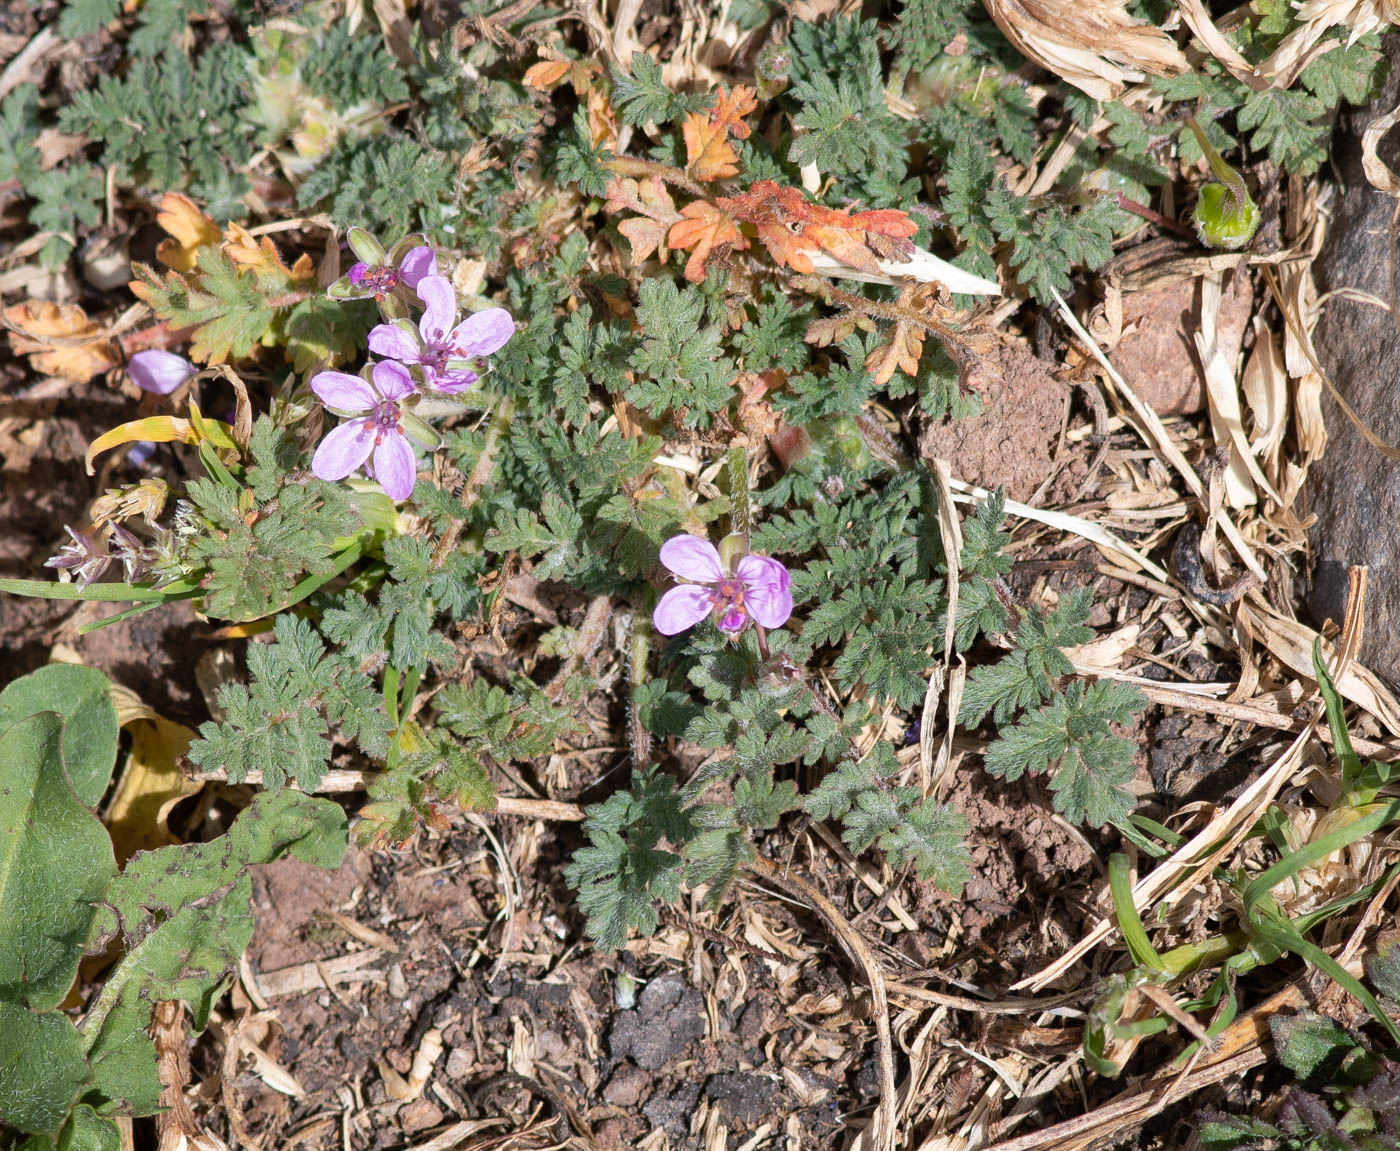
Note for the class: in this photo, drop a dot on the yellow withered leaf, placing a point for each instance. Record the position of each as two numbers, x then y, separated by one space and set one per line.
150 786
262 256
153 429
189 230
60 340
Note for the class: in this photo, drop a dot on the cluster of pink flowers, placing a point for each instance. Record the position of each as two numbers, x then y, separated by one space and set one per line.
440 354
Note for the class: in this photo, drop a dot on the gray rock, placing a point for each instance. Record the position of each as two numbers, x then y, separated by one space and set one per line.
1354 489
746 1098
668 1019
674 1110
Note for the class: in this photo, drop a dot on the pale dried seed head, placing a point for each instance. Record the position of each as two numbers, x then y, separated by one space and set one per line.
1316 17
1093 44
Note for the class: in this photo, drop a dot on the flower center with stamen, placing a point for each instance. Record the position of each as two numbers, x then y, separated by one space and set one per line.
381 279
385 420
728 596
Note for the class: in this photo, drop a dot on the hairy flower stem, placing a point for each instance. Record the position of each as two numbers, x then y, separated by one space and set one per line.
1150 215
737 468
828 293
638 652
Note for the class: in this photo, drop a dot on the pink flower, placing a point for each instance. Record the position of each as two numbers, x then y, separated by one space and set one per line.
758 589
159 372
389 278
379 432
438 347
380 280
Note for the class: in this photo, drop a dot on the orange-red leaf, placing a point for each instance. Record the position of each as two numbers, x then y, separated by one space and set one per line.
708 153
649 197
261 256
731 108
61 341
901 351
791 228
546 73
705 232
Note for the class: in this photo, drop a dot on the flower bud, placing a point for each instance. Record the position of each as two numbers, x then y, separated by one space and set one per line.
158 371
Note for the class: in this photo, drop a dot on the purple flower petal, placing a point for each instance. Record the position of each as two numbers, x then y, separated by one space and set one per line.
692 558
767 590
344 392
356 274
393 343
769 606
733 620
483 333
440 300
158 371
395 467
760 571
418 263
343 450
393 380
452 381
680 608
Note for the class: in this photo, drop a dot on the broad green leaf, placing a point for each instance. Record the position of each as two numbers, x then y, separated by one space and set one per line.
86 1130
83 697
186 915
42 1068
55 863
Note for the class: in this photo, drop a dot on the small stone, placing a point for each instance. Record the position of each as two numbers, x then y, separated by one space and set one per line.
1158 360
673 1111
746 1097
398 984
419 1115
669 1017
460 1062
611 1135
627 1086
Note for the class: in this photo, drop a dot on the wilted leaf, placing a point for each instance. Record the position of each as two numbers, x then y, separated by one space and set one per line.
790 227
649 197
545 74
731 108
602 119
704 232
833 329
60 340
708 153
189 230
900 351
262 256
151 785
153 429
